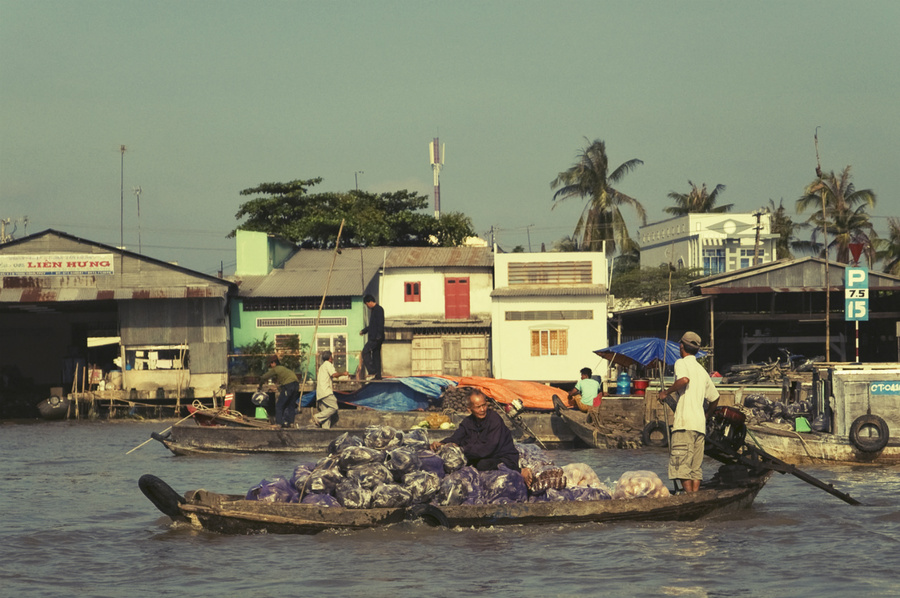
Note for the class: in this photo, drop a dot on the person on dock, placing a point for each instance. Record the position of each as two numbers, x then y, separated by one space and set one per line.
694 385
587 393
326 402
372 350
288 392
484 439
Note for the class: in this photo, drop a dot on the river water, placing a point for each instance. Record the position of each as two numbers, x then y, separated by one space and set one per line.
74 523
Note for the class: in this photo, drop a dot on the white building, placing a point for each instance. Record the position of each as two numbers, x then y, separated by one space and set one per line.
437 306
549 314
714 242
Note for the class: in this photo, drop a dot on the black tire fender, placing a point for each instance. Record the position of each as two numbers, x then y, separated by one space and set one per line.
430 514
869 443
655 426
162 496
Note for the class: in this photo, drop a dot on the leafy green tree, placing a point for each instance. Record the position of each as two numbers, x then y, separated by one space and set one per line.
786 229
383 219
844 218
888 250
697 201
651 284
601 220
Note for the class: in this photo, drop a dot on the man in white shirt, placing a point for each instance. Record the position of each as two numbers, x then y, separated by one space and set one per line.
694 385
326 402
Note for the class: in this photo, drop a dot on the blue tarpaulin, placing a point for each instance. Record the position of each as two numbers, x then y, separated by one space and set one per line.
643 351
392 394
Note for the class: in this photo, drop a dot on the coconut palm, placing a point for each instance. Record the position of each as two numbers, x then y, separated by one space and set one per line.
888 250
786 229
697 201
844 217
601 220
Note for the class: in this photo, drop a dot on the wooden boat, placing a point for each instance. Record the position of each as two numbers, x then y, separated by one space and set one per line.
189 438
594 434
216 432
818 447
231 514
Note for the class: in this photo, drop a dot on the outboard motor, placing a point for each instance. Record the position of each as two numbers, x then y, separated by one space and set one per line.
727 425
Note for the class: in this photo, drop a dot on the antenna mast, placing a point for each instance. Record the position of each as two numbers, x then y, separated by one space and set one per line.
436 153
137 193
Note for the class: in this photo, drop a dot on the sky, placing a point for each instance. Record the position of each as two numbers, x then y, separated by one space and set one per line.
212 97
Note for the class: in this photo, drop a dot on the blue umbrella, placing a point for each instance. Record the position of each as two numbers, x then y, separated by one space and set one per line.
643 351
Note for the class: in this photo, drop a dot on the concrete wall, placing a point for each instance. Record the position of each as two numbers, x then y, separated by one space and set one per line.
854 396
432 291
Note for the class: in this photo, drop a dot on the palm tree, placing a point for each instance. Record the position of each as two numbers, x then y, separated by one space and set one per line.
601 220
697 201
786 229
844 217
888 250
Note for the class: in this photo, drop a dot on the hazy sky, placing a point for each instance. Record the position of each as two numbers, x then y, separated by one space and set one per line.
211 97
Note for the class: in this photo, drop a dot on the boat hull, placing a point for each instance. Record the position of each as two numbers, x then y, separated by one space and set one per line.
229 514
818 448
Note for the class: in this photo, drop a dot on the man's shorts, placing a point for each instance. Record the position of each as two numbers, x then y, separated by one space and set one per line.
687 455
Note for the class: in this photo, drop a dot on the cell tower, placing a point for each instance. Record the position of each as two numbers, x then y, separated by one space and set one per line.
436 153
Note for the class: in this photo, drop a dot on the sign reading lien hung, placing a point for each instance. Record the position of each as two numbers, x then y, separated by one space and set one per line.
856 294
56 264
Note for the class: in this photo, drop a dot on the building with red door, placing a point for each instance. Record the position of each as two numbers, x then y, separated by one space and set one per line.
437 304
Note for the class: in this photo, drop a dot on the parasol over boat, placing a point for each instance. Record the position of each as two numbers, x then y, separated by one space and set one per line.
648 352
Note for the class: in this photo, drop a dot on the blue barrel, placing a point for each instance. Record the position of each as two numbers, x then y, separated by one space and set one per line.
623 384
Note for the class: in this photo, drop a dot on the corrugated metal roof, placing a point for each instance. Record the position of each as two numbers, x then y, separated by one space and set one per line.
306 274
592 290
440 257
797 275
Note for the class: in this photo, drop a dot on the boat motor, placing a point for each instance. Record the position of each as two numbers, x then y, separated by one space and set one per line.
514 408
727 425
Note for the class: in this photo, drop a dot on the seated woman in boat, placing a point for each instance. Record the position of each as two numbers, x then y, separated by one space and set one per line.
587 392
484 439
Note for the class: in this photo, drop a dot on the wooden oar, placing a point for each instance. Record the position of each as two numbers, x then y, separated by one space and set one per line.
163 432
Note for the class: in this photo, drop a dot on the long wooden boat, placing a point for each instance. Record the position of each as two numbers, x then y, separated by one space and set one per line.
818 447
593 434
208 433
189 438
231 514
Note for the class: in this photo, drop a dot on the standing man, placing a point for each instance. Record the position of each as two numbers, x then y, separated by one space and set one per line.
694 385
288 392
372 349
587 392
326 402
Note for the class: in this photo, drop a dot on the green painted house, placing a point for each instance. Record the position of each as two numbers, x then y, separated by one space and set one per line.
301 298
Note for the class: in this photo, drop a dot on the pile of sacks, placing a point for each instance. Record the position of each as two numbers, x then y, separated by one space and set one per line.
392 469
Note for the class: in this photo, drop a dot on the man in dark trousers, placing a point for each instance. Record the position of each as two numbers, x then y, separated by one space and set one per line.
288 392
372 350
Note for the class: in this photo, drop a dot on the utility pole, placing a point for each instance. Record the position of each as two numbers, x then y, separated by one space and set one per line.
528 232
122 199
137 193
825 241
756 260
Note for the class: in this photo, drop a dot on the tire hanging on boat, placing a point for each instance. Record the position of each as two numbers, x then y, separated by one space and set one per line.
162 496
430 514
869 443
648 438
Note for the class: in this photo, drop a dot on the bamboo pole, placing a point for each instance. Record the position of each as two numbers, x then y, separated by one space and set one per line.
314 348
163 432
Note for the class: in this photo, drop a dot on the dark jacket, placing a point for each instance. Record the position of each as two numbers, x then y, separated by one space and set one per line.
487 438
375 329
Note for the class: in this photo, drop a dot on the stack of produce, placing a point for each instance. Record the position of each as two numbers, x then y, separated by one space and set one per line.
392 469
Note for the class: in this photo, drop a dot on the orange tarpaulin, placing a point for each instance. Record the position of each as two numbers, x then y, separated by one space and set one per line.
534 395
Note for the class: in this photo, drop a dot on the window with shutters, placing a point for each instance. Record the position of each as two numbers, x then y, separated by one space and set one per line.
549 342
412 291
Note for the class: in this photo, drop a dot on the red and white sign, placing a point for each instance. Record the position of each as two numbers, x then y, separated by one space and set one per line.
56 264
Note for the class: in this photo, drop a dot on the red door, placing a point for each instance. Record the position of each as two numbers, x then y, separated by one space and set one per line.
456 298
